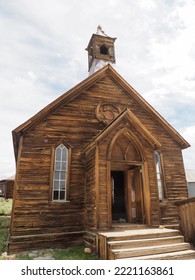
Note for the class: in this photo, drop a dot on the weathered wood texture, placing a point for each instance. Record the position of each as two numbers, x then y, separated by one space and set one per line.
75 122
187 218
44 241
91 194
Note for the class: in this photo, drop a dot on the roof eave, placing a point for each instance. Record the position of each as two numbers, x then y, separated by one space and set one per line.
149 109
64 98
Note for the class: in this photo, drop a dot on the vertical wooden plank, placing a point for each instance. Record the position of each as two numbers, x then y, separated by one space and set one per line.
139 196
69 172
185 222
128 196
193 223
190 211
16 183
146 190
186 211
97 184
51 174
102 247
109 195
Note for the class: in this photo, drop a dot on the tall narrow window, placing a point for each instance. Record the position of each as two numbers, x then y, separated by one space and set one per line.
159 174
60 173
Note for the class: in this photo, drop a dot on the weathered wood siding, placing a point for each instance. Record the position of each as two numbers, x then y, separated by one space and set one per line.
187 218
91 191
76 123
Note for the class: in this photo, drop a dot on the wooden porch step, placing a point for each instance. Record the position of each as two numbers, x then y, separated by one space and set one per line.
169 220
172 226
181 255
144 242
139 234
148 250
127 226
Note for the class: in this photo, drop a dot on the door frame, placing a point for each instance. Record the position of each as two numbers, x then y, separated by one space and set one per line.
145 203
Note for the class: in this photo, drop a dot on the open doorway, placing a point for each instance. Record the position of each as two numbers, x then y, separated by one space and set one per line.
127 195
118 196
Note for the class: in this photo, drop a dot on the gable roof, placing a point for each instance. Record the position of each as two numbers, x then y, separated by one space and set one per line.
84 85
127 114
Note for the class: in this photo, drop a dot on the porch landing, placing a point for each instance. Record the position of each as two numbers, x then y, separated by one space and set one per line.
143 243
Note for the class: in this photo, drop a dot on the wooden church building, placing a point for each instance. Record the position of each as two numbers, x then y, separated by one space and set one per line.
97 156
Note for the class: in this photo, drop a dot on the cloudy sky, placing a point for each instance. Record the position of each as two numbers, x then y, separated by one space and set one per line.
42 55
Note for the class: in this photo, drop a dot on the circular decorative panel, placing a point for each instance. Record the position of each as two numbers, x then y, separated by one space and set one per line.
107 112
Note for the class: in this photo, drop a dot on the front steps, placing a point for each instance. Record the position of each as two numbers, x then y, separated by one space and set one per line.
144 244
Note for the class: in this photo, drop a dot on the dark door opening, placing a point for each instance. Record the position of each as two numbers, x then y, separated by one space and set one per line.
118 196
127 196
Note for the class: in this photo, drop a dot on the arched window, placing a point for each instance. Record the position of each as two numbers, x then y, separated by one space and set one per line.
159 174
60 173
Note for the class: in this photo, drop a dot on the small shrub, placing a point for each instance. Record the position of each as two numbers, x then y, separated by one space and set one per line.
4 231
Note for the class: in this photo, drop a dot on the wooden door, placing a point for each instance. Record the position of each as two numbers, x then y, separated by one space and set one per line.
134 196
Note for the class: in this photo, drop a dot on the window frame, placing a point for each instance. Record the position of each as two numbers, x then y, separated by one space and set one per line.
53 170
160 174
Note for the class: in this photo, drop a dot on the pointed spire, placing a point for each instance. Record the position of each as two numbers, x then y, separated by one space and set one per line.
100 31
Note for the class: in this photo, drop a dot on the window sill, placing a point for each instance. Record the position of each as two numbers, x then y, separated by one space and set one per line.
59 201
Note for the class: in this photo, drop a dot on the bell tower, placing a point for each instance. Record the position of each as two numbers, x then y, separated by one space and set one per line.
100 50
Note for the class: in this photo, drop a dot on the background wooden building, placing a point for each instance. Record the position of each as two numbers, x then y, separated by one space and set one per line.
96 156
6 187
190 177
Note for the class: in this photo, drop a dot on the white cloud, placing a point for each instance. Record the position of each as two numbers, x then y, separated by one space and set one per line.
43 55
189 154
